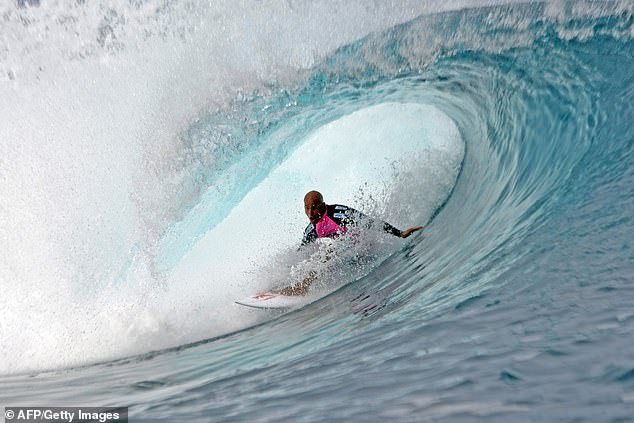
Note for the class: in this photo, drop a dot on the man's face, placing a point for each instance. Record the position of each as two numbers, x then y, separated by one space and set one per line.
314 208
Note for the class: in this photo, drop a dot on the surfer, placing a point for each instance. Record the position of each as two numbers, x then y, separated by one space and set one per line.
332 221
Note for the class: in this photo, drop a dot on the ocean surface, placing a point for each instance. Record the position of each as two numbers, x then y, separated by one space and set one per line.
154 156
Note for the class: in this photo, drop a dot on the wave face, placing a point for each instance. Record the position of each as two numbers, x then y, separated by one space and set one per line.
153 161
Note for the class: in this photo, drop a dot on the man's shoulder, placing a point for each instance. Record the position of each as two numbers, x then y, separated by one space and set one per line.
310 234
341 213
310 228
337 208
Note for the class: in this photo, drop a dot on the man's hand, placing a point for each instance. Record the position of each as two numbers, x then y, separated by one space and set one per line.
410 231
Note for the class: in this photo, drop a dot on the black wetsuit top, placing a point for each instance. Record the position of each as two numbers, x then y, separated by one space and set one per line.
347 217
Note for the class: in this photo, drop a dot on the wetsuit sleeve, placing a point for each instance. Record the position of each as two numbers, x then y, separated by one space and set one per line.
355 217
310 234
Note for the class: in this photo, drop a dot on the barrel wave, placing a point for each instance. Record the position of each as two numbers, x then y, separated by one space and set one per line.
152 171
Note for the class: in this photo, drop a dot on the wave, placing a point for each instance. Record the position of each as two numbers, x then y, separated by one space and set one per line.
138 139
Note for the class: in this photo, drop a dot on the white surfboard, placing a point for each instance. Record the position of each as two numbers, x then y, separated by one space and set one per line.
272 301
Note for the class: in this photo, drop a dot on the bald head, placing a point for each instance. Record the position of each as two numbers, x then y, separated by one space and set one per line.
313 196
314 206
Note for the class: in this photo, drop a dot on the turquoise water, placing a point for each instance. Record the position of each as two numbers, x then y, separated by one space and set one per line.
154 160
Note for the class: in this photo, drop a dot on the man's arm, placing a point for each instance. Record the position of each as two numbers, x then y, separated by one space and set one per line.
355 217
310 234
408 232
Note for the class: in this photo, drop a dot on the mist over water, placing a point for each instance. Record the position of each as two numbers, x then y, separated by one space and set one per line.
153 160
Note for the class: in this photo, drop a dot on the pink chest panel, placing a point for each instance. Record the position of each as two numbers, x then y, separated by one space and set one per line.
327 227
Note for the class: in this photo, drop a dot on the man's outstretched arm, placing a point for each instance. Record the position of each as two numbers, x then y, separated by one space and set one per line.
356 217
408 232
